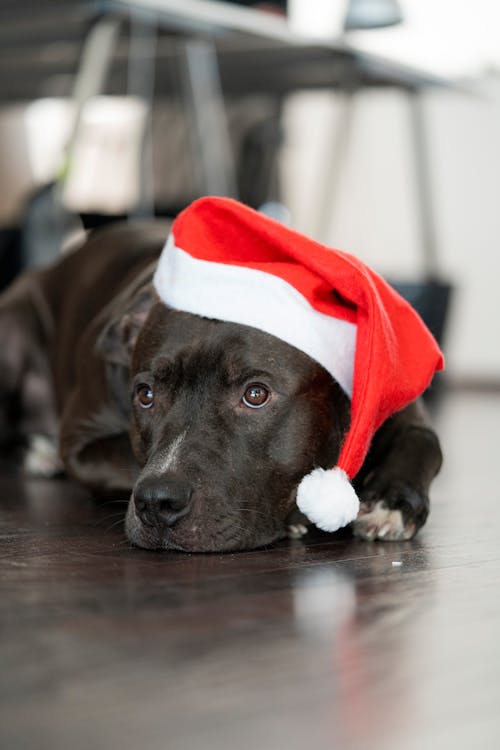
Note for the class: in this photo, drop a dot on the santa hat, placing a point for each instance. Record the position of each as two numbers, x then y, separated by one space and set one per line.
225 261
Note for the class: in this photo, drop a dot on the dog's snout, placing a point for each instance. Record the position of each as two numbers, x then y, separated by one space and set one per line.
162 501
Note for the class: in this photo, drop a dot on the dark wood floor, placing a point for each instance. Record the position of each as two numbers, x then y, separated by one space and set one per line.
322 644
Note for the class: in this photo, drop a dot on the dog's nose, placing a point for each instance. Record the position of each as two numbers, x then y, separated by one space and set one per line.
162 501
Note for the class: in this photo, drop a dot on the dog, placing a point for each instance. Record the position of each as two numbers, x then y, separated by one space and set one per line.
126 395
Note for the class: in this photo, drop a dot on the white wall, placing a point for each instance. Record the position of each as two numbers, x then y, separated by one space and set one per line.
371 208
370 205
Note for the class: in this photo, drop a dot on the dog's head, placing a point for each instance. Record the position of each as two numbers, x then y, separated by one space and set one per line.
226 420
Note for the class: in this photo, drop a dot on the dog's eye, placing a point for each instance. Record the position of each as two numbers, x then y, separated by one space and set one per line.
144 395
255 396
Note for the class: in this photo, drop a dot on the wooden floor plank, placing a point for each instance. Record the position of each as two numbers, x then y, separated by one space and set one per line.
320 643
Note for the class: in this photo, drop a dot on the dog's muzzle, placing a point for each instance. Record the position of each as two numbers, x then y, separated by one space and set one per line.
161 502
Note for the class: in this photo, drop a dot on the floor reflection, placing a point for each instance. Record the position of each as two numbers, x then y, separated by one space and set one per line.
362 624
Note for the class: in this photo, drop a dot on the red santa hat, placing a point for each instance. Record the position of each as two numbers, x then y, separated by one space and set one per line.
225 261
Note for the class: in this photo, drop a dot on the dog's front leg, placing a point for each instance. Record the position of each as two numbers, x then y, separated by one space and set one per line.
94 436
104 465
27 403
393 486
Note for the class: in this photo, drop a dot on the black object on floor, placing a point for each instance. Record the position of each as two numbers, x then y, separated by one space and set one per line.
10 255
431 299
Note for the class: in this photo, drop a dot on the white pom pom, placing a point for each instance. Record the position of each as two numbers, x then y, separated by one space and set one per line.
327 498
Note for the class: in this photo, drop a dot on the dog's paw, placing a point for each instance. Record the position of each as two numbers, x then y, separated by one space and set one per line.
380 522
41 458
296 530
390 511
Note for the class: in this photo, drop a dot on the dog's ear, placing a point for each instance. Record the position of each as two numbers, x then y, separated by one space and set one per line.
117 339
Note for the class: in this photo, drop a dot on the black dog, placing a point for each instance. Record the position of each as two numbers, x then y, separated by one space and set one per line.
135 397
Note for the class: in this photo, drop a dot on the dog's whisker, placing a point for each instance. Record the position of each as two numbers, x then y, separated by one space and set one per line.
122 543
115 514
120 520
113 502
102 521
237 527
252 510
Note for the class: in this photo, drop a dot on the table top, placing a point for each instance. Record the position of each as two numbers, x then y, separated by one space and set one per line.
260 51
40 46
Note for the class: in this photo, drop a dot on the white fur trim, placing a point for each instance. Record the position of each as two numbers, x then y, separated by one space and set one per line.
327 498
251 297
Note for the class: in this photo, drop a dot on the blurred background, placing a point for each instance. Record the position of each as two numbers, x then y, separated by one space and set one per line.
370 125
